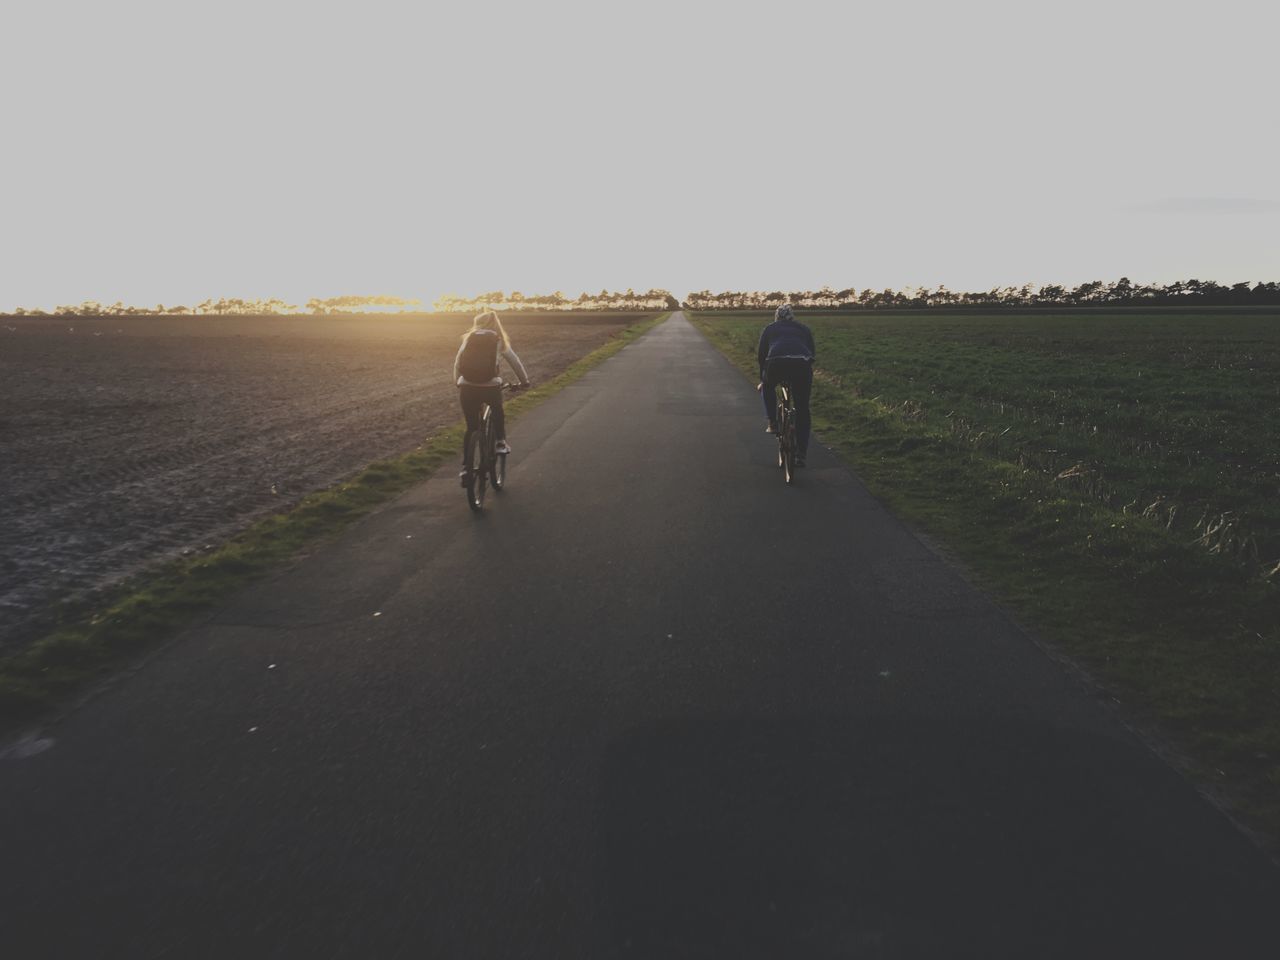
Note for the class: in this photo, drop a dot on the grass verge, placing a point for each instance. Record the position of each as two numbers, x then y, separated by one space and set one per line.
140 614
952 425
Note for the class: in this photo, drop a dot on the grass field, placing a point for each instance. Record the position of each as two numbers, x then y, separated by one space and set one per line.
1114 477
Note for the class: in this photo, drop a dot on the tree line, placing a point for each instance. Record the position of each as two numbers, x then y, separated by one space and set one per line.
450 303
1122 292
232 306
604 300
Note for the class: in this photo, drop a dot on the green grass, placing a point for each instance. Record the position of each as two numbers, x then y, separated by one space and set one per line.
1112 478
136 617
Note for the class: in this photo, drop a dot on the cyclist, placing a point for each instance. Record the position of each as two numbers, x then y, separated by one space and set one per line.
785 355
475 371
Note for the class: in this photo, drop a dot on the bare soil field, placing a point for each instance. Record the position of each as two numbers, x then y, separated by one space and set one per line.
125 441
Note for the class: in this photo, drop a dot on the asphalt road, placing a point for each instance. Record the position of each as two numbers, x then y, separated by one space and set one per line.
652 703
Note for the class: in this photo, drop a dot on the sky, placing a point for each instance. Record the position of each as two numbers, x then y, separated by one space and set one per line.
172 151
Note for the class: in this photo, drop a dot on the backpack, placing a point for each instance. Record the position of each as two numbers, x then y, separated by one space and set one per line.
478 362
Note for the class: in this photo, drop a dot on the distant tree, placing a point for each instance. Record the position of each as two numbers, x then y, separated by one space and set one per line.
1086 291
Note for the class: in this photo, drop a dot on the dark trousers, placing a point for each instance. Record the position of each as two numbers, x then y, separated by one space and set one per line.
473 398
798 373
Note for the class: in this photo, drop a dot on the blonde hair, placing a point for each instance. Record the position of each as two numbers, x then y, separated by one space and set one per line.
488 320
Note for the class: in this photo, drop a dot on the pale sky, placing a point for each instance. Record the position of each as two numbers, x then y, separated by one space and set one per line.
170 151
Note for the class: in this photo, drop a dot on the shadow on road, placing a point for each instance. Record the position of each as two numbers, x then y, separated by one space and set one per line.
800 837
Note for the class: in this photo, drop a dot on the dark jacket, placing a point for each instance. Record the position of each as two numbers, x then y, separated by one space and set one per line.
785 338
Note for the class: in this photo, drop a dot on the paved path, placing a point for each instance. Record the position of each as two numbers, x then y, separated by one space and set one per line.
652 704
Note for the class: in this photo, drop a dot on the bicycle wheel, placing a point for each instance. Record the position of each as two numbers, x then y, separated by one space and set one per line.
472 460
780 424
789 466
498 472
485 455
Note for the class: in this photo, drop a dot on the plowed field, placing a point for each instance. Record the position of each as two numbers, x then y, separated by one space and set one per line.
124 441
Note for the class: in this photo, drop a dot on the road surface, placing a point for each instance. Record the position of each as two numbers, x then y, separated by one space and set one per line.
652 703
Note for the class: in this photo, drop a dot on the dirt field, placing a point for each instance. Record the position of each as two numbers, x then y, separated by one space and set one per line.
127 440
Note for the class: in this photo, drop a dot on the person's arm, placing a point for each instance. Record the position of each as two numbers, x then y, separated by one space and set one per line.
514 362
762 350
813 351
457 375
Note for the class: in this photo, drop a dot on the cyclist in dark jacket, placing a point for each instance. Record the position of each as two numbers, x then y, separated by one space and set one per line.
785 355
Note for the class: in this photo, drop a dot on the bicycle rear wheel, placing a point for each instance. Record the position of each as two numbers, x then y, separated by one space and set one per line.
786 433
780 424
472 461
479 461
789 459
486 445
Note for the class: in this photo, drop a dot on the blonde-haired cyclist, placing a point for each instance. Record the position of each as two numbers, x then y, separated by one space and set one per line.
475 371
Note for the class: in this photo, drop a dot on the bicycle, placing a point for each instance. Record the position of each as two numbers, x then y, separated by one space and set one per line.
484 466
786 427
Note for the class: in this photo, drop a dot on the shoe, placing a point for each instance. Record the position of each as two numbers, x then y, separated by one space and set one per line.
769 428
502 447
465 477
